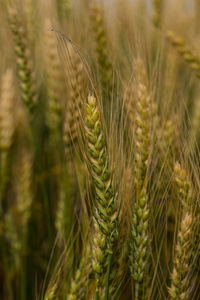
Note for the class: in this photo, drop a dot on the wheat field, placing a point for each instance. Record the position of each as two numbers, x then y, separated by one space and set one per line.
99 149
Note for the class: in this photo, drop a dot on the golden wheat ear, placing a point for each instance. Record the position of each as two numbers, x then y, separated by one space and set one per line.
179 288
7 127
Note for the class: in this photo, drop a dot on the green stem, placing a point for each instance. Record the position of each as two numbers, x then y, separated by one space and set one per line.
108 276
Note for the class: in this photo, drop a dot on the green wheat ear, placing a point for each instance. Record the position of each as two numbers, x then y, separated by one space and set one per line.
23 60
104 64
105 211
158 10
139 235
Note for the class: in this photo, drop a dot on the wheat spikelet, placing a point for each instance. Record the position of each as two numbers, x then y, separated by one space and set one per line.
192 60
158 9
105 67
139 234
6 115
142 135
183 185
74 105
79 283
54 79
7 127
25 72
30 19
105 214
179 288
70 129
139 241
179 277
165 138
167 135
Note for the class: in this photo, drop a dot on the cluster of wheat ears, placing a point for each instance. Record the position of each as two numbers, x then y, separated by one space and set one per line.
99 149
